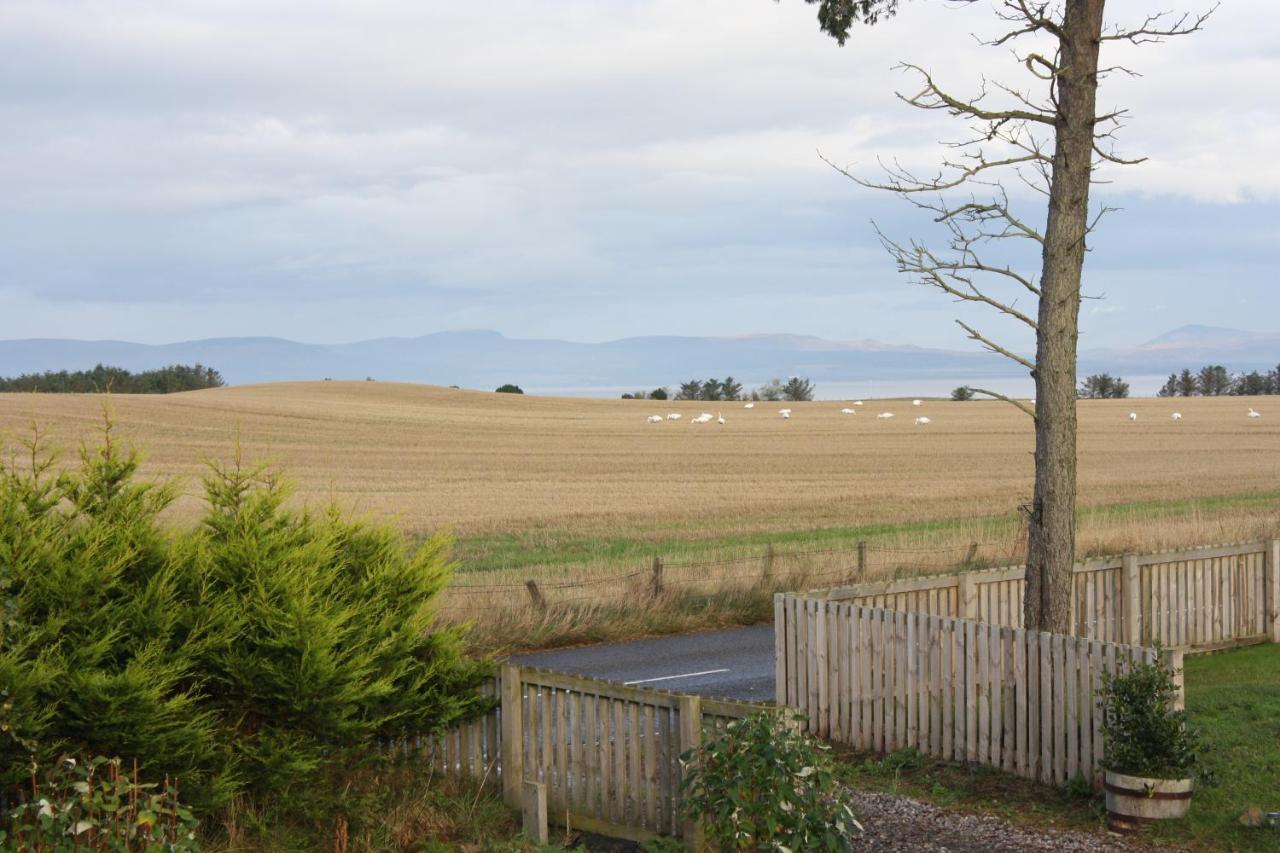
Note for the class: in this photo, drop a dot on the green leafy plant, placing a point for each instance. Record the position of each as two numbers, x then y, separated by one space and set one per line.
93 806
764 785
1143 733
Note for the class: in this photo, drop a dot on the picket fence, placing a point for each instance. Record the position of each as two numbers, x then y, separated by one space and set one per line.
606 754
882 680
1198 599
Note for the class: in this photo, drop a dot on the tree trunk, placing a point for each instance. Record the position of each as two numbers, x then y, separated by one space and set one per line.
1052 525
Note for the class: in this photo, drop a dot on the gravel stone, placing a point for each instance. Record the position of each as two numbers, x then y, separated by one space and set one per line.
900 823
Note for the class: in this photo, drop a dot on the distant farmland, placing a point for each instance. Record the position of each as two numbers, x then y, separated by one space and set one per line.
526 480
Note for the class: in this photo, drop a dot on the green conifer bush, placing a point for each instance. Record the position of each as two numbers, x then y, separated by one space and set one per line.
257 654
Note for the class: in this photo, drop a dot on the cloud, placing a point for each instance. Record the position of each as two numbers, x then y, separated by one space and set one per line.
577 168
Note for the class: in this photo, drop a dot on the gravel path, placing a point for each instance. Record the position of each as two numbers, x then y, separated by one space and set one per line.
897 823
900 823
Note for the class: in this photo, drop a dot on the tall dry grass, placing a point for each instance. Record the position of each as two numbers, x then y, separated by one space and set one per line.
603 603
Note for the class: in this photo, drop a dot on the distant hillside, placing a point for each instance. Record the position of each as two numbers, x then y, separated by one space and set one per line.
1193 346
486 359
482 359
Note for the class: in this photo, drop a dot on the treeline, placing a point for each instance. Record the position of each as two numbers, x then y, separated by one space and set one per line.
1103 386
117 380
729 389
1214 380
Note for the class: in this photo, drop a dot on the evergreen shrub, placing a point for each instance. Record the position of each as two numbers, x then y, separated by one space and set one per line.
256 654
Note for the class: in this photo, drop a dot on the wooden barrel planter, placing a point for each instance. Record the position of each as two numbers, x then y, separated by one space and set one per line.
1134 802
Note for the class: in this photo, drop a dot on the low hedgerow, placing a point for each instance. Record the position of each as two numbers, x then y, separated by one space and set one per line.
250 656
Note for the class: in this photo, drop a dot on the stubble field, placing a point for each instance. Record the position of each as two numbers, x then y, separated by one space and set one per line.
481 462
584 489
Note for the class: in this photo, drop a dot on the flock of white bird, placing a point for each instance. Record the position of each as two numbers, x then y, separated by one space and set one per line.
785 413
1177 416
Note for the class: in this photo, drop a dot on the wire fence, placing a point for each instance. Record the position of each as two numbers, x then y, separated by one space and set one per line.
770 569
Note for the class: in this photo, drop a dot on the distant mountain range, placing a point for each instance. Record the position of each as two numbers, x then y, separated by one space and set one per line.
485 359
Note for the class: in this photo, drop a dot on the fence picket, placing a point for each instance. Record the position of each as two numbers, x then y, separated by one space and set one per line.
947 690
911 652
1072 718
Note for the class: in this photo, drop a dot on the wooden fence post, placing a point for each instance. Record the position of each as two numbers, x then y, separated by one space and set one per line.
862 560
972 554
1175 668
1131 600
1271 622
512 710
535 812
766 564
780 629
535 594
968 594
657 577
691 738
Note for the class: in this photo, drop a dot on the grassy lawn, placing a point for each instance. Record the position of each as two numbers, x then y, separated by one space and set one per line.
1233 698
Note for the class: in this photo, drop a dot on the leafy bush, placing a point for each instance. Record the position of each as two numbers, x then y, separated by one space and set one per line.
250 655
509 389
1143 734
92 806
764 785
963 394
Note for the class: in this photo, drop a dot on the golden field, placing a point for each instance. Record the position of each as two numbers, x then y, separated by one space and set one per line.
477 462
580 493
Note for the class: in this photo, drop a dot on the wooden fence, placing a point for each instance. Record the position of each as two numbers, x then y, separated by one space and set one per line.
881 680
1199 599
606 754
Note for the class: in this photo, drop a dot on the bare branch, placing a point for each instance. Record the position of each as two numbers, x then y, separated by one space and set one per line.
1111 157
1103 211
1015 403
902 182
1034 16
981 212
1160 26
931 97
994 347
948 276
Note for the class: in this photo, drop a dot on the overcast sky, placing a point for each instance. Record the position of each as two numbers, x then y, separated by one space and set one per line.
580 169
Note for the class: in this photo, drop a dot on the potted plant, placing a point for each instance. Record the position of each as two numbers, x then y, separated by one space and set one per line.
1149 750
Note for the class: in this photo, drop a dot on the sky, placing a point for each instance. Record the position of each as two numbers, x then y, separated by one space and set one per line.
332 171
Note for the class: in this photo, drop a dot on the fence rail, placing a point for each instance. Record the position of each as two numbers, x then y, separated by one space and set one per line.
877 679
1197 599
606 754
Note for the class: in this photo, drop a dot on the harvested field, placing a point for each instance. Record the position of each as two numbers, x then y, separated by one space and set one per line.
585 490
481 462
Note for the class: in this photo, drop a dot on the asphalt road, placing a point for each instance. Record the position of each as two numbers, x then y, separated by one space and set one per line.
732 664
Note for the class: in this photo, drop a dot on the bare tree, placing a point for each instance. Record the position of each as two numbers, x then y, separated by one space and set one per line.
1045 139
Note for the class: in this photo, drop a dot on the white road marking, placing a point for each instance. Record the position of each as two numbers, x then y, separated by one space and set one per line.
669 677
